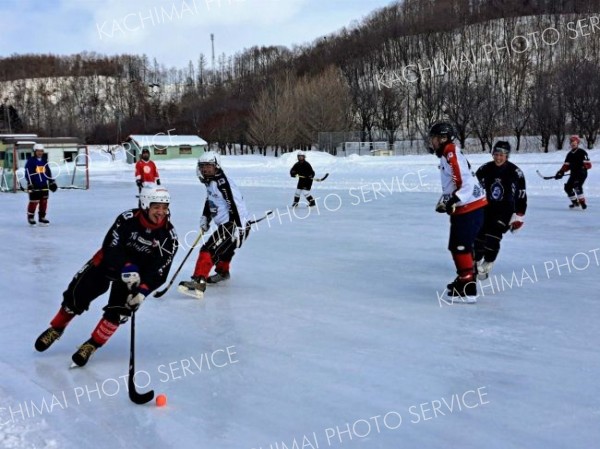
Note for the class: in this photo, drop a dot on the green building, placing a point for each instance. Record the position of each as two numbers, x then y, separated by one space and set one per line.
164 146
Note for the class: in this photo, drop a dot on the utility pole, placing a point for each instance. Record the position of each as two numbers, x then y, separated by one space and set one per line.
212 41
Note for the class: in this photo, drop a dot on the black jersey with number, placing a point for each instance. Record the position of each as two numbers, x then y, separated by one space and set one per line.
504 187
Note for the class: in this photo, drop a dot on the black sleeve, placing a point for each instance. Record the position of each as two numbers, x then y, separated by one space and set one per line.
520 192
480 174
225 189
206 211
113 247
294 170
310 171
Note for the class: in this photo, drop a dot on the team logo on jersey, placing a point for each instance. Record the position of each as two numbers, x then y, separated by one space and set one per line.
221 181
497 190
146 169
213 208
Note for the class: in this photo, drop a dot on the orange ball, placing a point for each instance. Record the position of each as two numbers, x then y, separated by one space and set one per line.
161 400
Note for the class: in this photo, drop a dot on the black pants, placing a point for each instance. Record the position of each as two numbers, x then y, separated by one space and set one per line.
91 282
222 243
487 243
463 230
574 185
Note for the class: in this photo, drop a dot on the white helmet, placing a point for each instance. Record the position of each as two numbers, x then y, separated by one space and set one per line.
154 194
208 157
38 146
301 153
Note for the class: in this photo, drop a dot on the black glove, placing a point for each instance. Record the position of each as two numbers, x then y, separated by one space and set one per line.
139 183
447 204
53 187
559 175
158 182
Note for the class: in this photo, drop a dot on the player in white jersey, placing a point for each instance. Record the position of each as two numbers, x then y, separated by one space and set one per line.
226 208
463 199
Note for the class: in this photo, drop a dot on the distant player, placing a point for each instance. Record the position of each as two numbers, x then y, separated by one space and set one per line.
578 162
39 181
225 207
134 260
304 171
504 184
146 171
463 199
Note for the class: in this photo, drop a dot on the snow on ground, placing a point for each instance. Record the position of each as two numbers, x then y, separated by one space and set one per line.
330 333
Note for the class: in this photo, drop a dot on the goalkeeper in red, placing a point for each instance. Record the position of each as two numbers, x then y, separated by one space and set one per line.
463 199
134 260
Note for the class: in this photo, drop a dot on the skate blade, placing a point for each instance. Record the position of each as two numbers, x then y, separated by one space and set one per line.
462 299
197 294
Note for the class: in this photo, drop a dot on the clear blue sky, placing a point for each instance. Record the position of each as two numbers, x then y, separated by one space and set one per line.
173 31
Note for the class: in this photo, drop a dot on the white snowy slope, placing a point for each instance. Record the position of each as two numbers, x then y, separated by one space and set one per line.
330 332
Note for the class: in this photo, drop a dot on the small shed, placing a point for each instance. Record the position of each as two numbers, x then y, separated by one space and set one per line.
7 141
164 146
66 157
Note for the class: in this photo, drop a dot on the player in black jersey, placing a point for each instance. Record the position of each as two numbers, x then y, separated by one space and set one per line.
504 184
578 163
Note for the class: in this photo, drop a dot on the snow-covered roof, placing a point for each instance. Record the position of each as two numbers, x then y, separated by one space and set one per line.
143 140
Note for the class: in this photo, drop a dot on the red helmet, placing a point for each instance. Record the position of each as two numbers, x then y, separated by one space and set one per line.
575 138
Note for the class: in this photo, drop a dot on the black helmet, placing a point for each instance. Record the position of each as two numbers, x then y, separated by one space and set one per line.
443 129
502 146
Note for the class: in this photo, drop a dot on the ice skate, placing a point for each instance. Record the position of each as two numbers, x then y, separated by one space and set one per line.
47 338
194 288
43 221
483 269
461 291
218 277
83 354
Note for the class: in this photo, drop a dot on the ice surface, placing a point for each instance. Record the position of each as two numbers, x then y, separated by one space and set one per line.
330 323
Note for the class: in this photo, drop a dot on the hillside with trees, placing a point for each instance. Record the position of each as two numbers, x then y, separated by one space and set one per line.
496 67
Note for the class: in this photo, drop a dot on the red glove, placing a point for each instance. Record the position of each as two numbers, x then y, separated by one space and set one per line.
516 222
